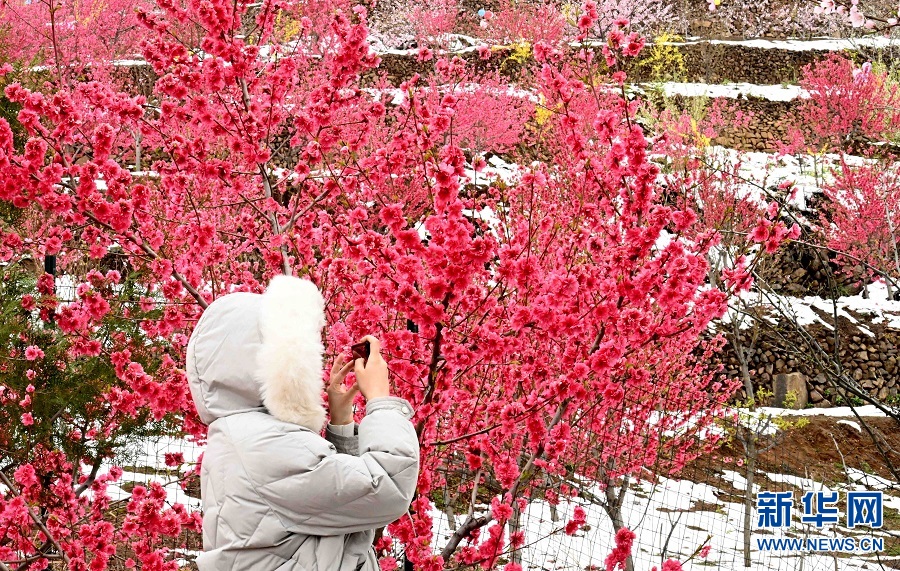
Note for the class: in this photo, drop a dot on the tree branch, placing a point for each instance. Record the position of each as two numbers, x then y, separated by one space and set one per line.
91 477
152 253
37 521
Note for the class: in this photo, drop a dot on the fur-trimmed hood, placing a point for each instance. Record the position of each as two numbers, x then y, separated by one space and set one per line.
252 352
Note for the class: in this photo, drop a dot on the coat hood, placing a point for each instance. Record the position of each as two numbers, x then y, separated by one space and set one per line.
261 352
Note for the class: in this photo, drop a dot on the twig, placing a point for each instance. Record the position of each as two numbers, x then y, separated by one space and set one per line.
841 454
665 547
473 523
12 488
152 253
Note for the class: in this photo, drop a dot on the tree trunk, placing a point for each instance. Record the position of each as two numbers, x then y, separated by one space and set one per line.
749 473
137 150
515 524
743 355
448 509
613 507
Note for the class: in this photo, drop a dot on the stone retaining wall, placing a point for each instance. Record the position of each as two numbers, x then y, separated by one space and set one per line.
872 361
768 124
870 354
705 62
799 270
721 63
767 127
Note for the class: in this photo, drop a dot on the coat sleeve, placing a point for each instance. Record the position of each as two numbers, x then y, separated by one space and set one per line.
344 437
315 490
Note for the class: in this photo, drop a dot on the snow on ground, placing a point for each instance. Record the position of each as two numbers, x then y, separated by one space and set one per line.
731 90
672 517
822 44
870 481
868 410
798 482
758 421
456 44
880 309
137 62
851 423
760 173
738 481
174 493
496 169
144 461
809 310
764 171
396 96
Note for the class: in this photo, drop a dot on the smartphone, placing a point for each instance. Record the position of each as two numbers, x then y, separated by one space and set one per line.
360 351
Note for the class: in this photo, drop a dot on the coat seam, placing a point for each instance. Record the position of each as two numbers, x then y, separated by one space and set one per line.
256 487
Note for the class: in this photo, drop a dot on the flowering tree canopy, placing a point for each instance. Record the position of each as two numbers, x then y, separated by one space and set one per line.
547 337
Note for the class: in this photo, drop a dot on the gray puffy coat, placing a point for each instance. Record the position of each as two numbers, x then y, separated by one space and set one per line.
276 495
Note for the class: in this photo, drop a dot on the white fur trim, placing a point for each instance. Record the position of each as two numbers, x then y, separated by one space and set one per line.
289 363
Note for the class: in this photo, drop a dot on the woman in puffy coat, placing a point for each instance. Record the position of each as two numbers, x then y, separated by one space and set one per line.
276 495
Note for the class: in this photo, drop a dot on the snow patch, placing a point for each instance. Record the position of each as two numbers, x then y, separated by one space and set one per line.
732 90
821 44
837 411
870 481
851 423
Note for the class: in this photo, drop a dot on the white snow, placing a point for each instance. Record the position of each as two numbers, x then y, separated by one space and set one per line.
837 411
496 169
665 514
456 44
798 482
851 423
765 171
760 421
130 63
147 457
738 481
821 44
732 90
486 215
881 310
870 481
174 493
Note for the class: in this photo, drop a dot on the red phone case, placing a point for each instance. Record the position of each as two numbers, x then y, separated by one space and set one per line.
360 350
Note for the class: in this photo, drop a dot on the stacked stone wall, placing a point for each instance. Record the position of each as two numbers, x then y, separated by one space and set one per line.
873 361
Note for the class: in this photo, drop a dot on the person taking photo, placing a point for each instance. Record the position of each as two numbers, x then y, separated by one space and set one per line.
276 495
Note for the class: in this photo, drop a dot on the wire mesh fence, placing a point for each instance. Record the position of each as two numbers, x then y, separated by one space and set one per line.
696 516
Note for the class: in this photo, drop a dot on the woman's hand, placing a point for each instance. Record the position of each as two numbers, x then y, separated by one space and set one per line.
340 398
372 374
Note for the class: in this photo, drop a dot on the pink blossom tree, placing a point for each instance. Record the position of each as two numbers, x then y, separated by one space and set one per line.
550 22
67 40
860 219
868 16
546 339
847 106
